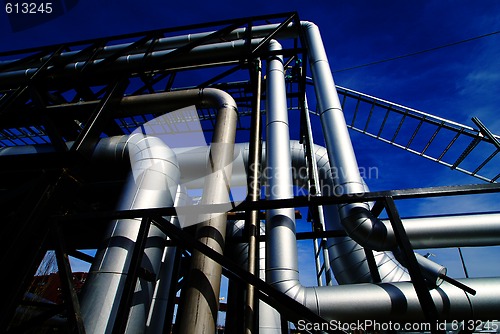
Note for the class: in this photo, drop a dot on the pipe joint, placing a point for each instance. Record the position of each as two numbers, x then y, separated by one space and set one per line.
217 98
365 229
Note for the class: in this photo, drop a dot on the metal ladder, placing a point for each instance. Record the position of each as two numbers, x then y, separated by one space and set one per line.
457 146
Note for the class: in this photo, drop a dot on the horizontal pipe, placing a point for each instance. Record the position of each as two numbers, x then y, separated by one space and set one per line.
442 231
201 55
398 301
162 44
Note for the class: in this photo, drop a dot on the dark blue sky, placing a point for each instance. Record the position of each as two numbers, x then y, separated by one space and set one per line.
456 82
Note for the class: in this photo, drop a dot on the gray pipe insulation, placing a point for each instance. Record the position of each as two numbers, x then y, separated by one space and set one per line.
281 250
269 318
153 183
464 230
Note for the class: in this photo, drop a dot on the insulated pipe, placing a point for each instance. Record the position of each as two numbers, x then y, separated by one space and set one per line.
371 297
164 285
162 44
152 183
347 257
269 318
101 319
356 218
377 301
202 291
281 254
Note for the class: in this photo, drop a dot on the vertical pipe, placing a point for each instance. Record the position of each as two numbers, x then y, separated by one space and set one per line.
202 297
269 318
161 296
252 221
281 266
152 183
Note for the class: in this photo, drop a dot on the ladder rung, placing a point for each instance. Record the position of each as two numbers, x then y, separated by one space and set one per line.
369 117
343 101
450 144
383 122
492 155
355 113
415 132
432 138
399 128
495 178
466 152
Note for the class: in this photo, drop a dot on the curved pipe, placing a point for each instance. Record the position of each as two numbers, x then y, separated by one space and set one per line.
152 184
156 176
377 301
328 114
203 287
356 218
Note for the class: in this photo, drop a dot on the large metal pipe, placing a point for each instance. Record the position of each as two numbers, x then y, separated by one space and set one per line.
281 266
269 318
356 218
440 231
113 258
152 183
281 248
473 229
202 292
165 287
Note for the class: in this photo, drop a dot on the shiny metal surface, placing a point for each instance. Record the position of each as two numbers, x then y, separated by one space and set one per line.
155 175
269 318
202 291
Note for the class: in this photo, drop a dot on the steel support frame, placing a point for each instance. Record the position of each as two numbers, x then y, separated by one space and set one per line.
297 201
87 78
33 225
71 302
290 309
424 296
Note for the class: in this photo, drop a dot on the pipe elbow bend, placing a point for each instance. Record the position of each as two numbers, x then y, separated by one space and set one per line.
274 45
217 98
293 289
367 230
308 25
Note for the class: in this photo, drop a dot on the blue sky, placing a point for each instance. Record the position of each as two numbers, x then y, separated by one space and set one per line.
456 82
